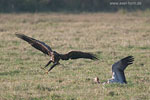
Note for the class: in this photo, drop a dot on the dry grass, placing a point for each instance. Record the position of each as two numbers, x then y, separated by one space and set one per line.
109 35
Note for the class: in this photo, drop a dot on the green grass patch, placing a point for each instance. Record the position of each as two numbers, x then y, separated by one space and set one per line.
11 73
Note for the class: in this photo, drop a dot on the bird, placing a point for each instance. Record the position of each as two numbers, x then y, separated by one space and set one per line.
118 75
55 57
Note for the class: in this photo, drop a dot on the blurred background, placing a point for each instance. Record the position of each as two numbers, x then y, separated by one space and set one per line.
72 5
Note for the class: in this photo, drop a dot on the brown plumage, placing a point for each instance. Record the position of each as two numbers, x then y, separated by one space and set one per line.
55 57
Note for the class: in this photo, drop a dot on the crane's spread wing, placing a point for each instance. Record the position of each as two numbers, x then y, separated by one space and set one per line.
119 67
36 44
78 54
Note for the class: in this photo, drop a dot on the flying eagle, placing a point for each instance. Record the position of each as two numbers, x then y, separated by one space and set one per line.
54 56
118 68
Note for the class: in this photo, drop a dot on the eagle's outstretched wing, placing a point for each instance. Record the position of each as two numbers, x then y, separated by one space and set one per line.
36 44
77 55
119 67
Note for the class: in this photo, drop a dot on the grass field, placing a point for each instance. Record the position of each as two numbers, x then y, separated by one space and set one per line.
111 36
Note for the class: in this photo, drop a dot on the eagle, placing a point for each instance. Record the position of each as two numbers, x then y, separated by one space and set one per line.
55 57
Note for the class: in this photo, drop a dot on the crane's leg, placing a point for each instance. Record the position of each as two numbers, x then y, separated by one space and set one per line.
46 64
52 67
